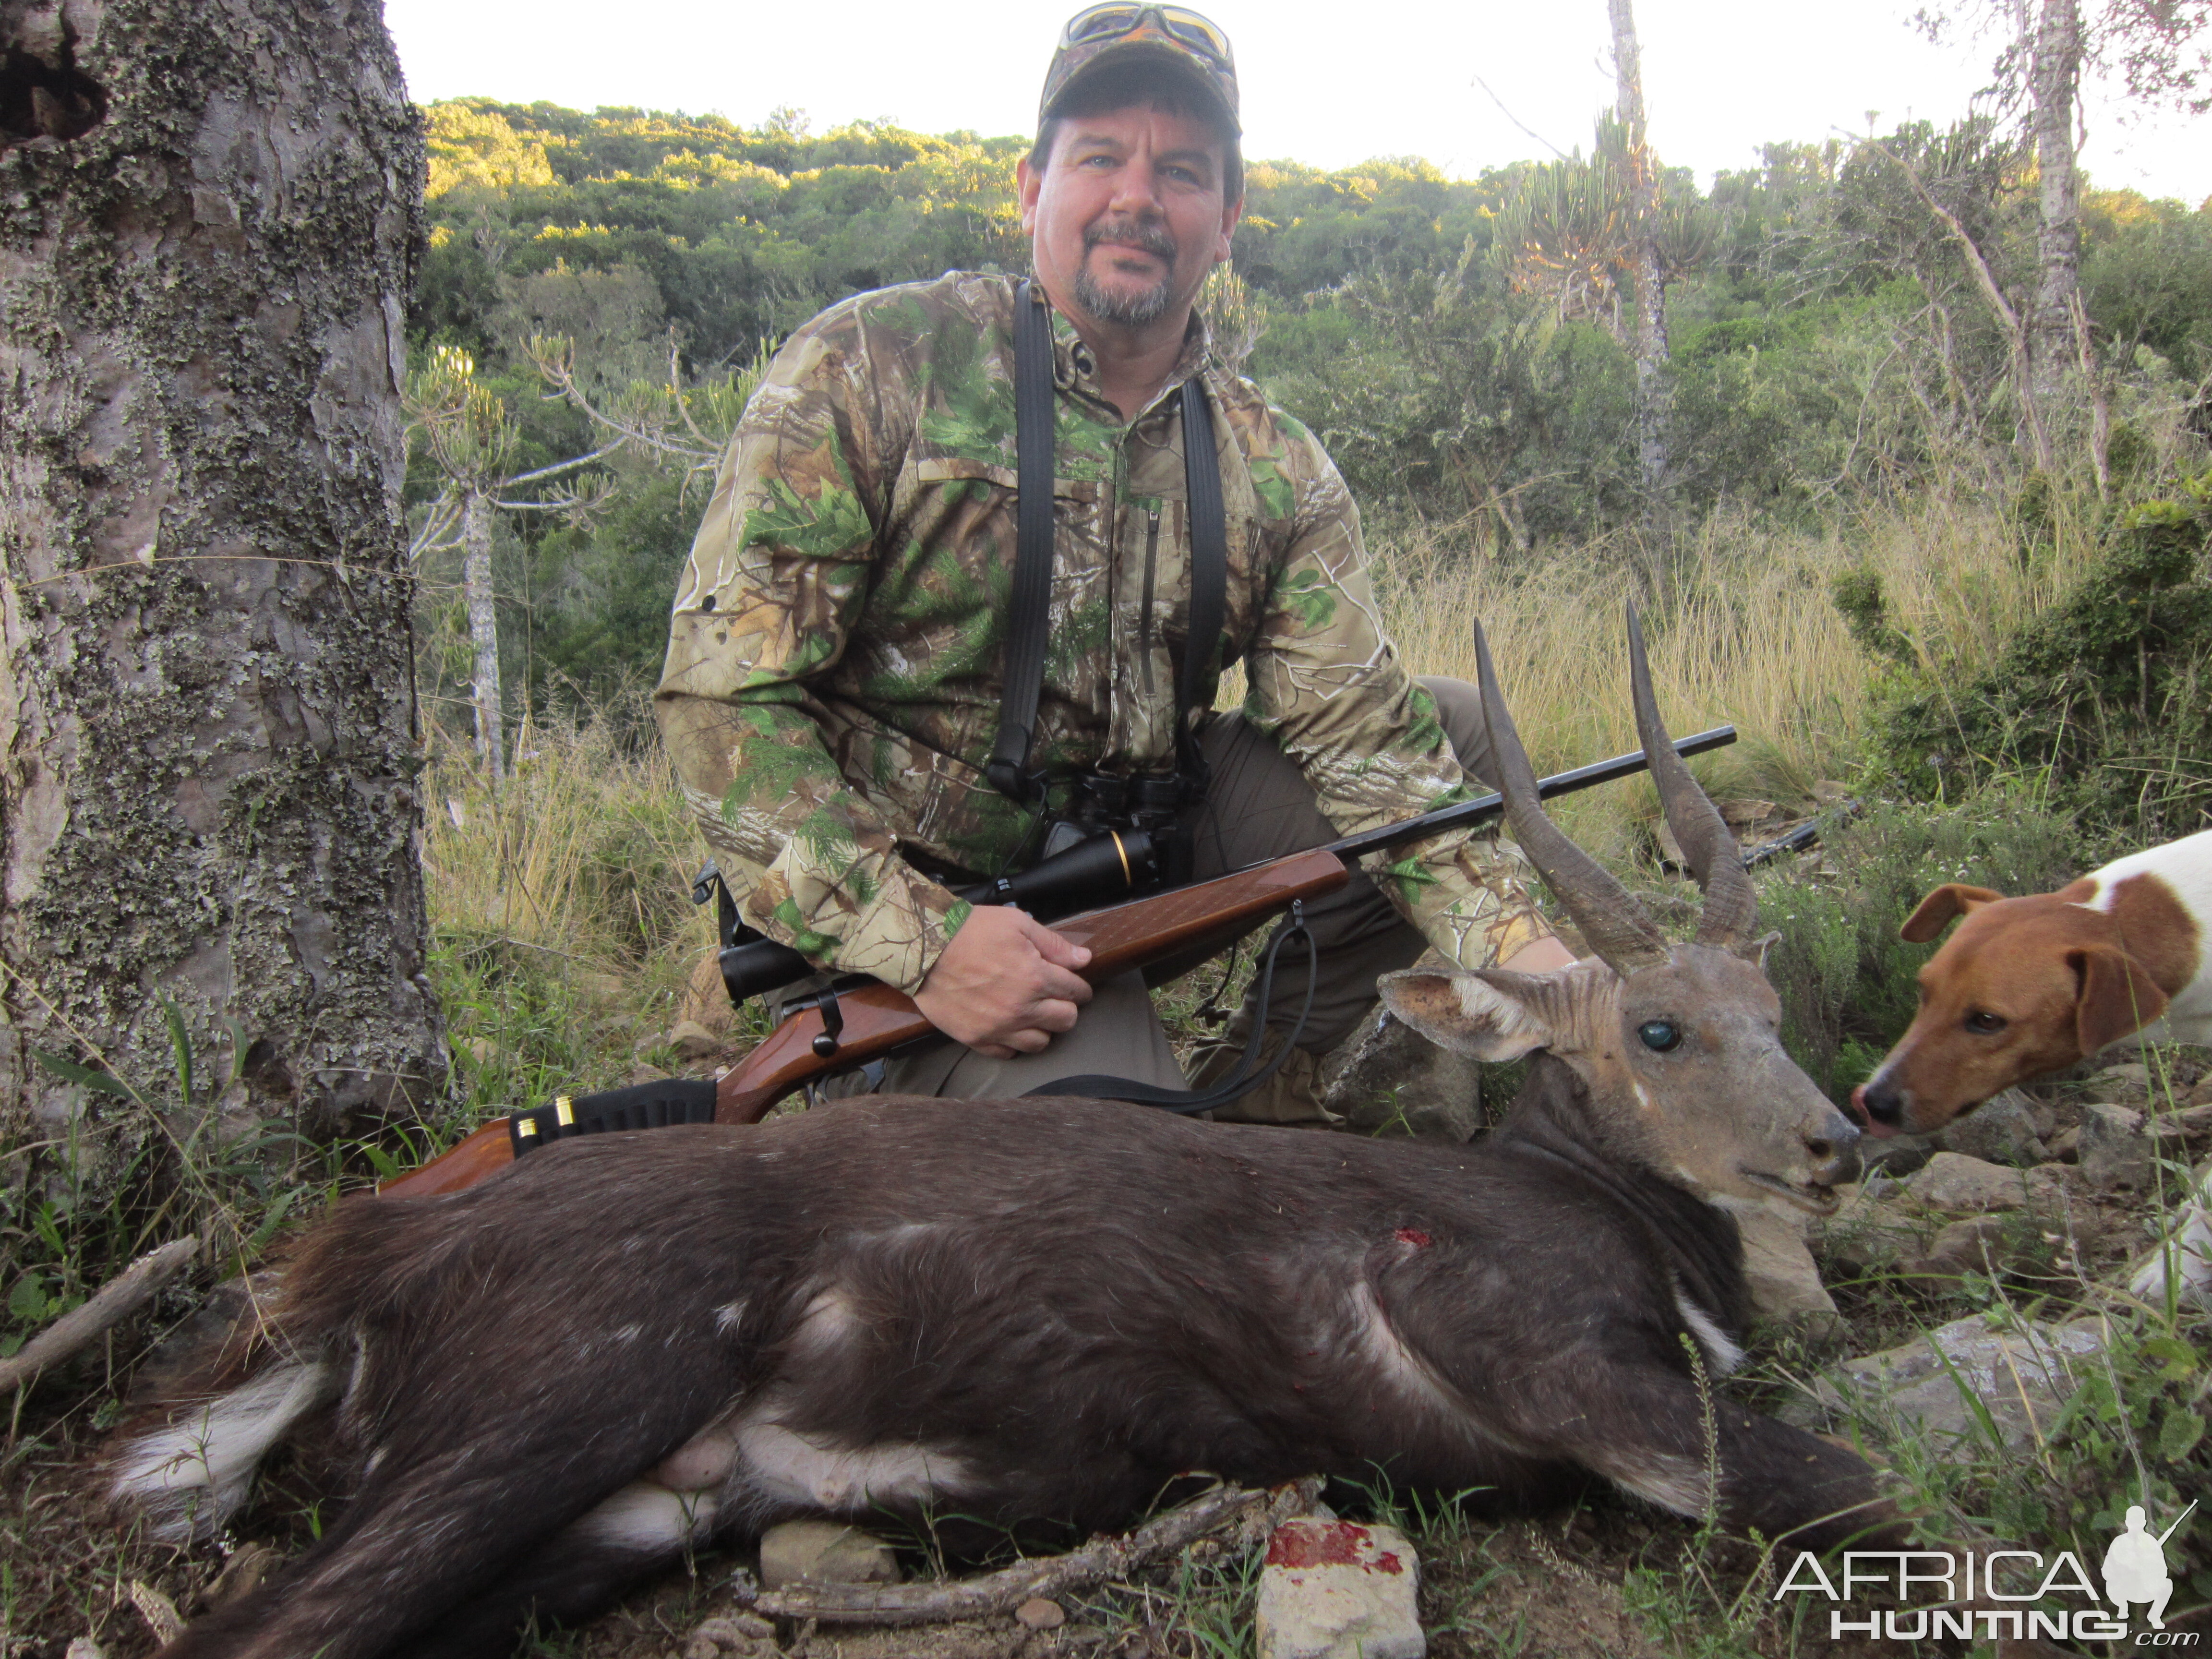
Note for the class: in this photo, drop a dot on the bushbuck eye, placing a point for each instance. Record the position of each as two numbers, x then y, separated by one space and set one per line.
1659 1035
1987 1024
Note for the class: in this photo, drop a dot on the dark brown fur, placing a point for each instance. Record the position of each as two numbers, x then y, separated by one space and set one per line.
1083 1300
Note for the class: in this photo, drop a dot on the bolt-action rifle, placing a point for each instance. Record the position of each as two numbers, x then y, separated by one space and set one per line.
855 1020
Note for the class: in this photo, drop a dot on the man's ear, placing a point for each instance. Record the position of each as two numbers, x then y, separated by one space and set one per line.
2118 996
1490 1015
1936 911
1027 182
1232 214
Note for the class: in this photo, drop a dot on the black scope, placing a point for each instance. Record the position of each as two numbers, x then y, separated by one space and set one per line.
1092 872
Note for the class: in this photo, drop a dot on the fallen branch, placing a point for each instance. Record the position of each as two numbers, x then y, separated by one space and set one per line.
77 1330
1001 1592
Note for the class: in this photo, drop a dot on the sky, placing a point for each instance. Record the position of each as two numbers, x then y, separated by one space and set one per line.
1330 85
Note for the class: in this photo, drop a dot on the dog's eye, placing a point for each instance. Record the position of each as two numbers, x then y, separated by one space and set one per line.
1659 1035
1985 1024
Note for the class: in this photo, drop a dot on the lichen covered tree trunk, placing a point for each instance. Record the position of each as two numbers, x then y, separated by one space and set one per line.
208 222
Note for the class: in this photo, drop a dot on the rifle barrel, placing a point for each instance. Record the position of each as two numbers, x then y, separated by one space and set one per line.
1467 814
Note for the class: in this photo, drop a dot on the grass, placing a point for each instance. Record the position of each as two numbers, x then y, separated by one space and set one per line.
1743 630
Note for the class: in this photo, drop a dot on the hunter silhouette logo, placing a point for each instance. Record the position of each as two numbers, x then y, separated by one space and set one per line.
2135 1566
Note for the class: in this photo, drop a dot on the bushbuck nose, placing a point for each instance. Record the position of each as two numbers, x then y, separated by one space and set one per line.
1834 1152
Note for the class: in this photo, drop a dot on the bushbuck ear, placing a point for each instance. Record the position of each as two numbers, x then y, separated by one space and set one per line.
1951 899
1754 950
2118 996
1488 1015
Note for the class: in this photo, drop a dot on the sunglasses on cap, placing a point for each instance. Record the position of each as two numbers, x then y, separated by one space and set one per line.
1107 34
1187 27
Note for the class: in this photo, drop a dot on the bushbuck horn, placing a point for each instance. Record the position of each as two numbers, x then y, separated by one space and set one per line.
1731 903
1616 927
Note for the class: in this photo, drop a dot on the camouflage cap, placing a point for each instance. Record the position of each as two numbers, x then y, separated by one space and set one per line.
1174 37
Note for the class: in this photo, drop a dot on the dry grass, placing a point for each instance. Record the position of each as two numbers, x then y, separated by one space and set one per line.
1743 631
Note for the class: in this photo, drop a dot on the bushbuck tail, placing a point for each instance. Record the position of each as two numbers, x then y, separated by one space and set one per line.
1044 1311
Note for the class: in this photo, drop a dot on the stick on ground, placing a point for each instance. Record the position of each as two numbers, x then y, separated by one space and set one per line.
1000 1592
78 1328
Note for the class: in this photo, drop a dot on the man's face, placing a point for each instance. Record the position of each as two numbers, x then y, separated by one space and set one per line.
1127 217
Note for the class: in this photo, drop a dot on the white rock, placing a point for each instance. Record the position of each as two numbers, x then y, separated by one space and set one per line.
1785 1284
1333 1589
2115 1151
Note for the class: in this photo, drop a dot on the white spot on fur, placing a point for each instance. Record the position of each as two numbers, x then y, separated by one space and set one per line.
189 1475
730 1316
779 1463
1399 1365
648 1519
1642 1098
1678 1484
1721 1353
829 1321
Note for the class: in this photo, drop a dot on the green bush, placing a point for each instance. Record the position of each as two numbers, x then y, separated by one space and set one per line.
2106 698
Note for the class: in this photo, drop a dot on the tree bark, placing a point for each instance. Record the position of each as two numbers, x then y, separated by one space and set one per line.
1651 437
208 221
483 630
2054 351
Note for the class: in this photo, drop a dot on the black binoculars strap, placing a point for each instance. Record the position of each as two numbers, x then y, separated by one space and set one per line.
1241 1082
1028 624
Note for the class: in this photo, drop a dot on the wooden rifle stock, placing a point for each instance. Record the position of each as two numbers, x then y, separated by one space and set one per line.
877 1019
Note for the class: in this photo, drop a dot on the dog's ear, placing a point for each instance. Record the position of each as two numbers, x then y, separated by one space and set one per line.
2118 996
1936 911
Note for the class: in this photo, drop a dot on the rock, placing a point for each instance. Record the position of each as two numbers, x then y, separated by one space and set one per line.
1387 1078
746 1635
824 1552
85 1648
2021 1374
2127 1085
642 1072
1039 1612
691 1040
2114 1150
1868 1233
1829 792
1976 1245
2051 1186
2001 1130
1331 1590
2065 1144
1959 1185
1897 1155
2189 1127
706 998
2201 1095
1785 1285
481 1050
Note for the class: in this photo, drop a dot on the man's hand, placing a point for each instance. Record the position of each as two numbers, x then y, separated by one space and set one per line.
1005 984
1540 955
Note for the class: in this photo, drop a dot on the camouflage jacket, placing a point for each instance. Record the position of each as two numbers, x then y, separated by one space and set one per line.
833 675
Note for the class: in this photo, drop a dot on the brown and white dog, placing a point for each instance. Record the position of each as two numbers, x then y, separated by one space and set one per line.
2028 986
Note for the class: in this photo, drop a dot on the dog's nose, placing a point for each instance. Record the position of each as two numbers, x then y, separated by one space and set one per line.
1882 1107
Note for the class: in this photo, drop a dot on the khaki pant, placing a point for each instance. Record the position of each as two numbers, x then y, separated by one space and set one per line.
1258 806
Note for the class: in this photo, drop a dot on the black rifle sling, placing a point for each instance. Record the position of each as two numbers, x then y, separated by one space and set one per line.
1209 573
1034 408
